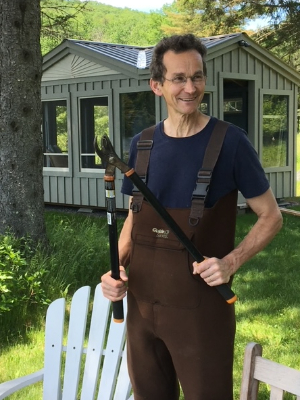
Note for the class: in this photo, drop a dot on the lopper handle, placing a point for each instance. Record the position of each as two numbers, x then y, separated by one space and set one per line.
117 306
227 293
118 313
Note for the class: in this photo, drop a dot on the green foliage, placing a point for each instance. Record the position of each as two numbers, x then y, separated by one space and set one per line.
91 20
274 154
203 17
62 128
275 113
208 18
79 250
78 254
101 121
59 21
282 41
20 284
125 26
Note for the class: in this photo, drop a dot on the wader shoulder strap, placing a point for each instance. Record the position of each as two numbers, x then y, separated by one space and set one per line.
144 146
205 173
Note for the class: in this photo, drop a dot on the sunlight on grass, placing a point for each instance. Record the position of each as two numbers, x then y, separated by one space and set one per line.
268 307
21 359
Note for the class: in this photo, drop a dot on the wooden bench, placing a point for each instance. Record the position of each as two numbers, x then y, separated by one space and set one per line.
257 369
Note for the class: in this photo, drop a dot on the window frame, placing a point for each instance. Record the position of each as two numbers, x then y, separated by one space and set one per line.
289 154
90 172
58 171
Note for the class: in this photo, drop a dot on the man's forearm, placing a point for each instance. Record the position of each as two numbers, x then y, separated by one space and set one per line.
267 226
257 239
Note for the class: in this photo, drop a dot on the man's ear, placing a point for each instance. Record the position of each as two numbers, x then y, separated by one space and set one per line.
156 87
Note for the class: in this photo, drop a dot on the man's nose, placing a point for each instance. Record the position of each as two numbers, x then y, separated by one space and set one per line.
189 86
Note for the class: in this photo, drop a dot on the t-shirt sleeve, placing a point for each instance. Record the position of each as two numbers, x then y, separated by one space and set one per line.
249 174
127 184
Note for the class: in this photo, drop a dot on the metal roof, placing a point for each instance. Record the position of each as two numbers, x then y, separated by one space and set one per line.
139 57
214 40
136 56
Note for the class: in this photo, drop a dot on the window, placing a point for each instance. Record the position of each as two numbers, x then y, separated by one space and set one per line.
137 112
55 133
205 104
94 122
233 106
275 131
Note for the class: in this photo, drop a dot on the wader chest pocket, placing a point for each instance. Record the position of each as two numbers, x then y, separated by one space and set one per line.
161 272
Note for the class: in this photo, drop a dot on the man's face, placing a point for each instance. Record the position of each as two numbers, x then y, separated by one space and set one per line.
181 98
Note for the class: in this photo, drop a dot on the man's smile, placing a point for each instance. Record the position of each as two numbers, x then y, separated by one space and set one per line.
187 99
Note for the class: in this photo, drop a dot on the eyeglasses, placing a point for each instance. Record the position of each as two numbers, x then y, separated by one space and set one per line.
182 80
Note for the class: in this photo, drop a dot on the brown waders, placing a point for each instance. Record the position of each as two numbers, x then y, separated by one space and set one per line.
179 328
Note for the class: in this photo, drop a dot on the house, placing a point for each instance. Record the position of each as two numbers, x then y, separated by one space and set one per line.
91 88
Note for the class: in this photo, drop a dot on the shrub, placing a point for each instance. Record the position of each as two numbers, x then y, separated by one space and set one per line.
20 285
77 255
79 249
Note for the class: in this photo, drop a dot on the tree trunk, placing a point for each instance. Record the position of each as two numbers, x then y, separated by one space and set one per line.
21 154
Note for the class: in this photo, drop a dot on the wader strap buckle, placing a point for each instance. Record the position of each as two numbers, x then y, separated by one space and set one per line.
211 156
202 184
137 197
144 146
135 207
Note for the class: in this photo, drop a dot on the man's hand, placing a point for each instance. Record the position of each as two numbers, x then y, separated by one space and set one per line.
114 289
269 221
213 270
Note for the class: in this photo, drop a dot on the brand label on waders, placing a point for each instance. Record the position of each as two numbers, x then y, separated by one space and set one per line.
161 233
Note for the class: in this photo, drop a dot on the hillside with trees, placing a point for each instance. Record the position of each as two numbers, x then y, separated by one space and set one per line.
62 19
277 23
280 31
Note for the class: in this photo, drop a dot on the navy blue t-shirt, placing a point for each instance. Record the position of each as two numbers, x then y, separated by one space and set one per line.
175 162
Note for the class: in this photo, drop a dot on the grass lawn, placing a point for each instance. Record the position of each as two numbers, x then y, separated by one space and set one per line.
268 309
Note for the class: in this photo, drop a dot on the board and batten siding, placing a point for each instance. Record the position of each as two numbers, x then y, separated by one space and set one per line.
263 78
71 186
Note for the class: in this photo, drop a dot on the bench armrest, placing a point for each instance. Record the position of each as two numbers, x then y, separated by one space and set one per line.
9 387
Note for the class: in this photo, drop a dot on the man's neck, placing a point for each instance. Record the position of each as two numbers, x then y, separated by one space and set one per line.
185 125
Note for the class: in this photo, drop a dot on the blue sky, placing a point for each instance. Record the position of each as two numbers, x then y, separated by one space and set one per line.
141 5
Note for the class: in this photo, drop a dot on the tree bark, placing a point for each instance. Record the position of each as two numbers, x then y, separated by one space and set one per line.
21 154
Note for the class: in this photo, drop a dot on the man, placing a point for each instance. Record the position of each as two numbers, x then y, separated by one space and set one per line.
179 326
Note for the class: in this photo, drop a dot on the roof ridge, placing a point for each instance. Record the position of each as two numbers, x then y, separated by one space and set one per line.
233 34
111 44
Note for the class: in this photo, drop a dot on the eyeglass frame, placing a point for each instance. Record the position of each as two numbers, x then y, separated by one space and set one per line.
185 79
